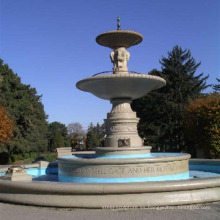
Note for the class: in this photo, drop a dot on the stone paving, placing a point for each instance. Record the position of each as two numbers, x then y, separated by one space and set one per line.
20 212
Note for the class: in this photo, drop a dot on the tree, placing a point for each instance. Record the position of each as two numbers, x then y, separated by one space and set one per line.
92 141
57 126
26 110
216 87
95 136
57 141
76 133
161 112
6 126
202 126
57 131
75 128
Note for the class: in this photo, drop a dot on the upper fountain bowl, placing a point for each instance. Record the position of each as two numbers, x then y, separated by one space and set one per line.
119 38
113 86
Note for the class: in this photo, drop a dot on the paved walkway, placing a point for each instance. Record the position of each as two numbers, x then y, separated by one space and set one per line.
201 212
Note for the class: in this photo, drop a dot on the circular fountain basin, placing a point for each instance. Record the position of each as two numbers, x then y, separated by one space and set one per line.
112 86
202 188
123 168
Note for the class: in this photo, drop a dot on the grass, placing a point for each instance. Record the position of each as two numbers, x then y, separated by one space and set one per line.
29 158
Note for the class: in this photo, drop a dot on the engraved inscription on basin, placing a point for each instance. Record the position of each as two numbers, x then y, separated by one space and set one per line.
125 171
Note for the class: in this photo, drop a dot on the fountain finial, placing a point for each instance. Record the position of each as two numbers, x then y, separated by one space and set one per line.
118 23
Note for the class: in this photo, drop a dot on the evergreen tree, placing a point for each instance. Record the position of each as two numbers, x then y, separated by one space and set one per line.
57 126
92 141
99 131
161 112
95 136
26 110
216 87
57 141
53 129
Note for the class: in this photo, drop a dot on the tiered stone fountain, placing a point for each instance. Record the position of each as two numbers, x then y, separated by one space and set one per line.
123 157
120 174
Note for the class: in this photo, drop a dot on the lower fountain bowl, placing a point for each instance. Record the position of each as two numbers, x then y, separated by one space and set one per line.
201 187
123 168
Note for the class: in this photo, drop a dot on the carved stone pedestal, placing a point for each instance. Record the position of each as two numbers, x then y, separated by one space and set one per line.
121 125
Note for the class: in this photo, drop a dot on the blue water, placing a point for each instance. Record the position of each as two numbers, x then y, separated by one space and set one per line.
36 172
93 156
205 167
126 156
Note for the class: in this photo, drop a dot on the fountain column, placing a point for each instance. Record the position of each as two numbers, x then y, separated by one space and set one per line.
121 125
121 122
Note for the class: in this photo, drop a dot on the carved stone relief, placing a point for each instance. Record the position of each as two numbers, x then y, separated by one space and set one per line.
119 58
124 142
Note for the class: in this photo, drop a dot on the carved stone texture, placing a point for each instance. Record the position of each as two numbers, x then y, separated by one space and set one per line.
119 58
126 170
121 106
112 140
124 142
121 124
124 127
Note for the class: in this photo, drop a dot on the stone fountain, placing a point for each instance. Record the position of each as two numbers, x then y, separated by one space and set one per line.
123 157
123 173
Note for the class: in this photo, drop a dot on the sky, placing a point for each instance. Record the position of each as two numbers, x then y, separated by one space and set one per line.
51 45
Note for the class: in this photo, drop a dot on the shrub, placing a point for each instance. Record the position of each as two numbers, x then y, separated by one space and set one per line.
202 124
